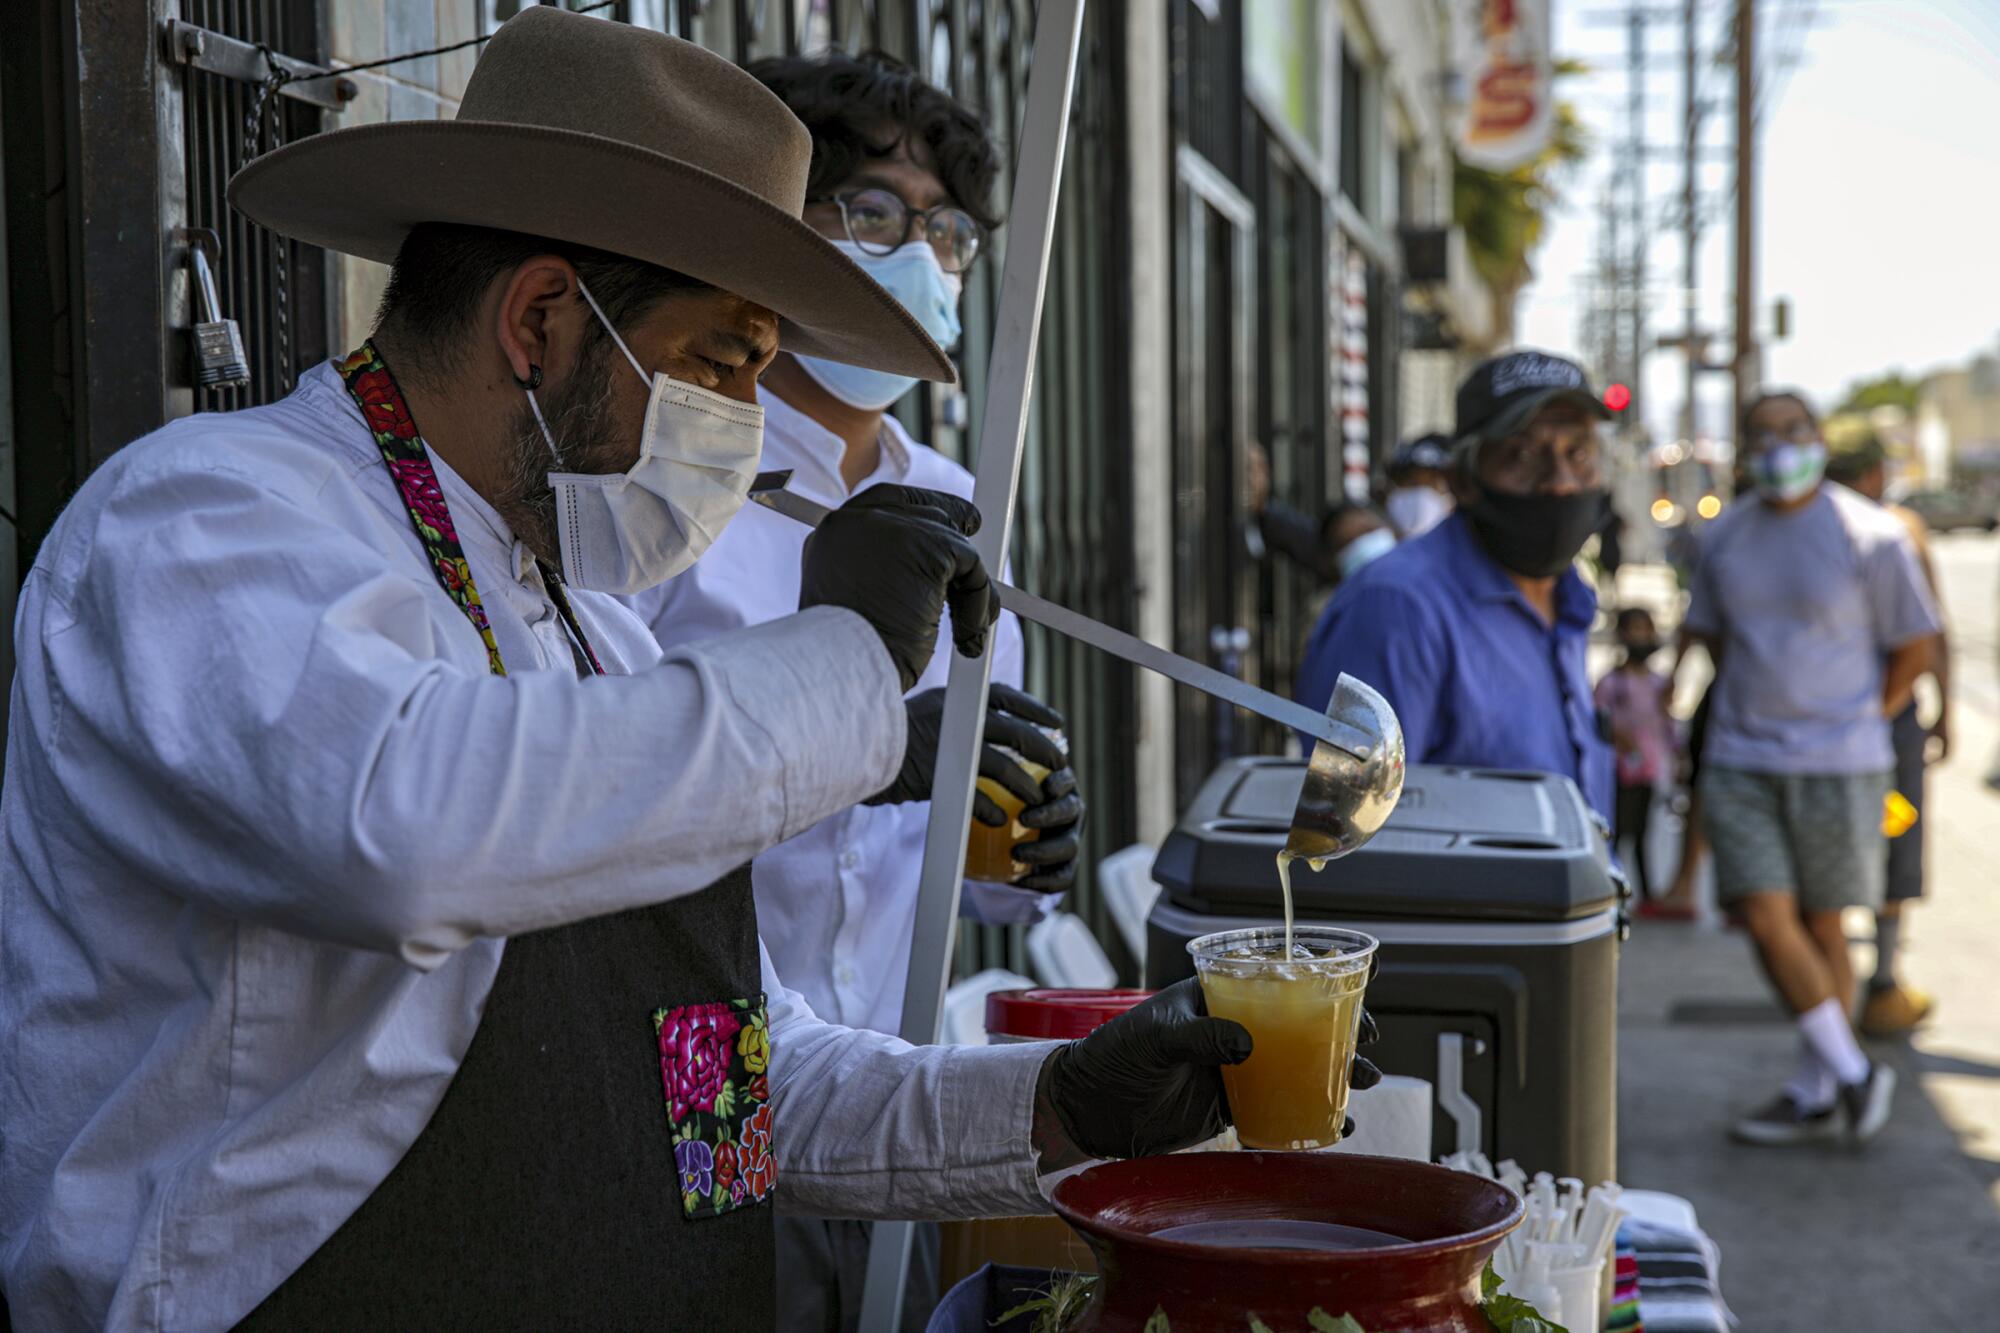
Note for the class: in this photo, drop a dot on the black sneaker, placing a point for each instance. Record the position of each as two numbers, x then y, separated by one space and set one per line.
1785 1123
1865 1105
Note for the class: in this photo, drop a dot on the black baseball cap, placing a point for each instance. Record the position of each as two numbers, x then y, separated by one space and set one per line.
1503 393
1425 451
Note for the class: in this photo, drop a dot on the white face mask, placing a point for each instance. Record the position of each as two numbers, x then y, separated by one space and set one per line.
1364 550
624 532
910 273
1417 509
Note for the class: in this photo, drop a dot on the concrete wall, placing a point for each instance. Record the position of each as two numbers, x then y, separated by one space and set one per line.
1964 404
1411 43
359 31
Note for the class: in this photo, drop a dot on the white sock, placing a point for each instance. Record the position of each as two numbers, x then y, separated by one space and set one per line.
1826 1030
1812 1084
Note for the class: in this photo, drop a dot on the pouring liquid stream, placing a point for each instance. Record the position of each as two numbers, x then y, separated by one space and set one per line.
1285 859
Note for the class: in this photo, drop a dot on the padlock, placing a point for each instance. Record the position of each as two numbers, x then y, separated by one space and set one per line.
219 362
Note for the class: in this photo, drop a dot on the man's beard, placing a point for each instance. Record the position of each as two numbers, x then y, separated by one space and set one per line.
579 420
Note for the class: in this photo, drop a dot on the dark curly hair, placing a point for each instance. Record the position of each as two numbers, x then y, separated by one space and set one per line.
864 106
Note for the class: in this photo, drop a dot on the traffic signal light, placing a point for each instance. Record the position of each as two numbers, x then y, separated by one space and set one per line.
1617 397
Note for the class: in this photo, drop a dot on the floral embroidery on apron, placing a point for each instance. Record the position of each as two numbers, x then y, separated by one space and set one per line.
715 1064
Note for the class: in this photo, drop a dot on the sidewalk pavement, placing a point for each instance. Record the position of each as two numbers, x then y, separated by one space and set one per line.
1905 1235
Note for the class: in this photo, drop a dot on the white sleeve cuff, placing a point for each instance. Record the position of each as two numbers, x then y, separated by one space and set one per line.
822 688
1005 905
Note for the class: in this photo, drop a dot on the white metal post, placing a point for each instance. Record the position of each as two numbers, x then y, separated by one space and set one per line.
1031 220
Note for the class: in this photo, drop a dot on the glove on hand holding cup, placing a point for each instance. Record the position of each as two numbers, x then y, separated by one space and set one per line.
1017 724
1150 1080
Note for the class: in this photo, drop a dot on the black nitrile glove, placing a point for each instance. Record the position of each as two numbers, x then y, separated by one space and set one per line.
1051 858
898 555
1013 719
1362 1072
1150 1080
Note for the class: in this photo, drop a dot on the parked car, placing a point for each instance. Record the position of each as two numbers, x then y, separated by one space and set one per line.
1945 511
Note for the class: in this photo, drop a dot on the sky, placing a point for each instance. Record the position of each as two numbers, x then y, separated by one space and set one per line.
1880 181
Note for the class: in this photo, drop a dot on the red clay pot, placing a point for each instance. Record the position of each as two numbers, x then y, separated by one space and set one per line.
1454 1222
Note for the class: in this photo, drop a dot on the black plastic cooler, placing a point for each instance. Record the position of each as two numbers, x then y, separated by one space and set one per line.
1500 922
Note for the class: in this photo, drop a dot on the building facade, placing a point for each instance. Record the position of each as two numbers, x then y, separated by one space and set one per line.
1958 424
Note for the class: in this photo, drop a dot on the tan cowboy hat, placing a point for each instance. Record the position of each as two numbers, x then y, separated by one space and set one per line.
614 137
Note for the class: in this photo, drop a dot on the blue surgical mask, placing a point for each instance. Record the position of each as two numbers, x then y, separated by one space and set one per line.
1363 550
911 274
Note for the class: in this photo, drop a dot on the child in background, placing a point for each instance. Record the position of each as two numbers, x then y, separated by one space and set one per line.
1636 699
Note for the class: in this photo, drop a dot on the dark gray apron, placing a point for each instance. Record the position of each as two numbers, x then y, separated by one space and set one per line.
544 1193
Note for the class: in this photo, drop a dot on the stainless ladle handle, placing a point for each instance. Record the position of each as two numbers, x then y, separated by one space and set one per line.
768 490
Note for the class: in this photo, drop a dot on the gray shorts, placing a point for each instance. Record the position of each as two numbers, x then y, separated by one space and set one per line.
1816 836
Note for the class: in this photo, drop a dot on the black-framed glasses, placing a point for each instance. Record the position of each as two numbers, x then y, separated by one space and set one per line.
878 221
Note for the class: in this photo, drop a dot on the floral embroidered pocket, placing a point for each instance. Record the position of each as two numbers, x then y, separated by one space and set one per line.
715 1062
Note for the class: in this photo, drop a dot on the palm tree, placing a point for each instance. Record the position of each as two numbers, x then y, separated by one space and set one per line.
1503 213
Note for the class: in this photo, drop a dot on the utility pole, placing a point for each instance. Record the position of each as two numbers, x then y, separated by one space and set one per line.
1614 286
1635 165
1746 365
1690 214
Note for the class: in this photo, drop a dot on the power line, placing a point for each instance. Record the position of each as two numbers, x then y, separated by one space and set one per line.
454 46
1779 65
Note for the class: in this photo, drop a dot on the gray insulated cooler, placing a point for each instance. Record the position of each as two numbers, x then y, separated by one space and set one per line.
1500 922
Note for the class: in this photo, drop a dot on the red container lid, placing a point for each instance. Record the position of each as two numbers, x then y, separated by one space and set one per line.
1061 1014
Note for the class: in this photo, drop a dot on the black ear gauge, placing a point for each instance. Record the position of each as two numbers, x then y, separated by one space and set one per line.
534 380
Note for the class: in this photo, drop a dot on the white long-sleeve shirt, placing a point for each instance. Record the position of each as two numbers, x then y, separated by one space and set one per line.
837 904
269 818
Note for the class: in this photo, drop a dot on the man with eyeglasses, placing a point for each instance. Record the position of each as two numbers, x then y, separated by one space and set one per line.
1476 631
1814 607
901 182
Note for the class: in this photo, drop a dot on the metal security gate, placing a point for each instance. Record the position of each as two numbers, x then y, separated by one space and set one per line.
123 123
1292 371
274 288
1251 364
1074 543
1214 273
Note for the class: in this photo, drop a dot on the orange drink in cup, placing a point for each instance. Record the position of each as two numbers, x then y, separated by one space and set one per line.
1304 1016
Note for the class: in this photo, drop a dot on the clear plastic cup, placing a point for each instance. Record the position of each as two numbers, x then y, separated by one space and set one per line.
1577 1290
1304 1016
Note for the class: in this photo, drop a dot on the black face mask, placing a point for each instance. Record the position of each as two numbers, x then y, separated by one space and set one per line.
1536 536
1640 650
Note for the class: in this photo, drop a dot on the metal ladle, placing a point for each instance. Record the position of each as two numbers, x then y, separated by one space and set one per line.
1355 774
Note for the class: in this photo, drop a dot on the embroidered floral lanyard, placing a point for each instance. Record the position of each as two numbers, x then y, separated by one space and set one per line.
374 390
